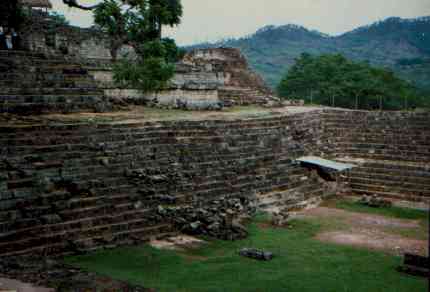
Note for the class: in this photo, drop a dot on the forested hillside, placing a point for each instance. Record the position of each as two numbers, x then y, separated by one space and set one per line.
402 45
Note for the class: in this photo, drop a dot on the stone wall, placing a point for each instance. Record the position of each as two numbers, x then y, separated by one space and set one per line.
33 83
204 79
44 36
71 188
198 75
392 150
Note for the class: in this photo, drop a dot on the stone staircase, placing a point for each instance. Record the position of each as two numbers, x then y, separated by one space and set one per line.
32 83
392 150
76 187
242 96
396 180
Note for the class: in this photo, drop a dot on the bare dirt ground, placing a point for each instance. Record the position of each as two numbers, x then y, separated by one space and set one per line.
395 236
180 242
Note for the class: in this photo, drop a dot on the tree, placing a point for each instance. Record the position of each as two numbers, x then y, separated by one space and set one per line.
335 80
139 23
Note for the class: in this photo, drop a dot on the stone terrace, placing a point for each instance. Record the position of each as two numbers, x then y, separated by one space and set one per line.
33 83
69 187
87 181
392 149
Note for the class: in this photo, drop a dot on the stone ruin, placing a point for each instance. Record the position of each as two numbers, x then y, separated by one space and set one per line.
205 79
70 188
69 69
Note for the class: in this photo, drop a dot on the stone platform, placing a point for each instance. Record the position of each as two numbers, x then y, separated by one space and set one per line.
77 183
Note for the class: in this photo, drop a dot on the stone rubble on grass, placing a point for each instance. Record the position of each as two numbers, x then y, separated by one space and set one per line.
256 254
280 218
375 201
220 218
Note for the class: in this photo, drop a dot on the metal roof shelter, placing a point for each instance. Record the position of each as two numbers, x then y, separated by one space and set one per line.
338 166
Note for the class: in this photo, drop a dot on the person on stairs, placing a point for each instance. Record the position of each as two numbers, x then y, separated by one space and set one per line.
2 39
15 39
9 44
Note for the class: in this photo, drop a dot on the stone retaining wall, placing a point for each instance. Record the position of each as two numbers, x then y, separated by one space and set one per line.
392 150
71 188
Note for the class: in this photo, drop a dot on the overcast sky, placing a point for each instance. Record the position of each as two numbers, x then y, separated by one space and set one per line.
209 20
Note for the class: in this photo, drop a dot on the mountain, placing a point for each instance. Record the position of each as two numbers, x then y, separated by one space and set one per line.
402 45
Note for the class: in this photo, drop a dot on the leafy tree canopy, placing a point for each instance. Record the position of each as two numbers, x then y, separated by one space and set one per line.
335 80
139 23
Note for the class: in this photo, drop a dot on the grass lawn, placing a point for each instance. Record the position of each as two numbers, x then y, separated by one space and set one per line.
301 263
395 212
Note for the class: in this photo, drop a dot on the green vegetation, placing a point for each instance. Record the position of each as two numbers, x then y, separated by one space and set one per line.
301 263
139 23
395 212
272 50
336 81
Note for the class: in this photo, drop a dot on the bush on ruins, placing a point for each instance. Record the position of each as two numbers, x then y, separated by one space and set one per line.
139 23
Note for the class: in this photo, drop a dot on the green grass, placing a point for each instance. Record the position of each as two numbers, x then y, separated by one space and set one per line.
301 263
395 212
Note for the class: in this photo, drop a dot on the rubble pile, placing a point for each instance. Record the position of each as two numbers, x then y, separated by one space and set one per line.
375 201
219 218
280 218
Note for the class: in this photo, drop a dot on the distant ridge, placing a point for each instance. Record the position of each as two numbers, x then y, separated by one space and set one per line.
402 45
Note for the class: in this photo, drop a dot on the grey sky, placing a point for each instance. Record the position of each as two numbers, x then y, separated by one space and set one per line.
205 20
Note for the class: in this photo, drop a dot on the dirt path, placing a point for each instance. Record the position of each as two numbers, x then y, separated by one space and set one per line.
371 231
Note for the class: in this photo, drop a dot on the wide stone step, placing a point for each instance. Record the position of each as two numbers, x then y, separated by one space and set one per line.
394 182
48 98
22 91
88 244
423 146
382 188
289 198
425 152
391 195
23 228
58 107
388 174
384 157
396 170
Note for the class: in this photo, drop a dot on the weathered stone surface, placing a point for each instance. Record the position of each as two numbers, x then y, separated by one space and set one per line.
155 169
154 173
375 201
256 254
206 79
59 277
219 218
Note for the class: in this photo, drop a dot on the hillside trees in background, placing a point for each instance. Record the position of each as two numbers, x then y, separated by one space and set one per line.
333 80
139 23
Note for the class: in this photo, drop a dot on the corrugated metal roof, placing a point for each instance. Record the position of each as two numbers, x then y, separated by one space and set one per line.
326 163
36 3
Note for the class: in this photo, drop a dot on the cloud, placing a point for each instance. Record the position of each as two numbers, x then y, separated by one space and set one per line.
211 20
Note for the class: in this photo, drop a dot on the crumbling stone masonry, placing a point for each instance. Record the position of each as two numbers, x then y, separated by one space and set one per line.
204 79
37 83
33 83
70 188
